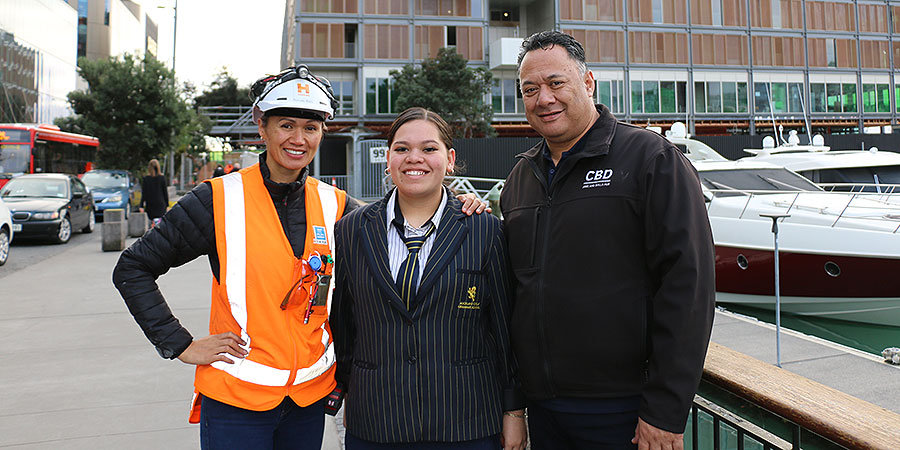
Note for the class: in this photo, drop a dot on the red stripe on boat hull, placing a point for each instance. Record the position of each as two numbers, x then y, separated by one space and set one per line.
804 275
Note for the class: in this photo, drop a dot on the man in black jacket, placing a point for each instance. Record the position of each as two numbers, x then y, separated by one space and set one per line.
613 259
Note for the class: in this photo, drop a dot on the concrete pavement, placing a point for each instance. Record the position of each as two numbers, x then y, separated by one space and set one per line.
78 372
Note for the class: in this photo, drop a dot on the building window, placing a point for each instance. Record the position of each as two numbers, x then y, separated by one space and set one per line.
720 97
106 13
778 97
387 7
350 40
468 41
658 48
836 97
830 16
380 97
654 97
716 7
610 94
612 50
458 8
323 40
506 97
896 97
830 59
343 93
386 41
329 6
657 11
729 13
591 10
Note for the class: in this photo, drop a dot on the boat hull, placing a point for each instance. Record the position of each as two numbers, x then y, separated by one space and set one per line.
845 287
880 311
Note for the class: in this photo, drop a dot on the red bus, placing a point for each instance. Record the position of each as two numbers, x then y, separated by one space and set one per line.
41 148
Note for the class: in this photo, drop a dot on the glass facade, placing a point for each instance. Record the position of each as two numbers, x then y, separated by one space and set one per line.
841 41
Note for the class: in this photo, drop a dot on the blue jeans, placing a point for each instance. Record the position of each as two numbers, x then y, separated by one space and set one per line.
287 426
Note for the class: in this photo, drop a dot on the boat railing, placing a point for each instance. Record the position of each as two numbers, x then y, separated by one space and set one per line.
878 188
746 403
873 206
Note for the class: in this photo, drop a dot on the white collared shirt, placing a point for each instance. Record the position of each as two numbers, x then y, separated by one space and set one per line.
397 251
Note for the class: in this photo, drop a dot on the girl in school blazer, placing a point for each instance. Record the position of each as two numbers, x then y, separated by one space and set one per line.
420 310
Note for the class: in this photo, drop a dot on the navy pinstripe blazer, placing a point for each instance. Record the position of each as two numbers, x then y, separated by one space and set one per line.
442 371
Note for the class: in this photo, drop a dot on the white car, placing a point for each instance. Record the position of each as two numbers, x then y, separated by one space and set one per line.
6 232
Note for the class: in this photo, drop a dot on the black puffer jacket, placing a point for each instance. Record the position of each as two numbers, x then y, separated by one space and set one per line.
186 232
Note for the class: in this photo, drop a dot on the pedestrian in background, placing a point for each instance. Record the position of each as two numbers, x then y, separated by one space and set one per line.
154 192
420 314
218 171
235 167
612 256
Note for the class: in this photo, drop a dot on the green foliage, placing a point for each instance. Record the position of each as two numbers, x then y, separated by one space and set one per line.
224 91
447 86
136 110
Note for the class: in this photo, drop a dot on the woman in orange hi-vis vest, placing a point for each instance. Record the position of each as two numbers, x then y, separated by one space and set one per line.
266 367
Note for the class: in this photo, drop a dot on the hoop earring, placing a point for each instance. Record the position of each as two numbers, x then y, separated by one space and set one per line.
387 170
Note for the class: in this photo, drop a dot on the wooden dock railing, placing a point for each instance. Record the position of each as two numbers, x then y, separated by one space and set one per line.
840 418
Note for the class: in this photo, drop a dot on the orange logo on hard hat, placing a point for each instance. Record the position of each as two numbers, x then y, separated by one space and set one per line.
302 88
3 136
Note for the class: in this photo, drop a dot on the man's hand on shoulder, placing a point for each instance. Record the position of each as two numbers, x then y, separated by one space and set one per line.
648 437
472 204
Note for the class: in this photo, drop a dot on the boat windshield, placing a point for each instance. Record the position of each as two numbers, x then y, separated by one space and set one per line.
773 179
868 175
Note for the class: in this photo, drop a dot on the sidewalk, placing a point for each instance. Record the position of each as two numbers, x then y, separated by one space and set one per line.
78 372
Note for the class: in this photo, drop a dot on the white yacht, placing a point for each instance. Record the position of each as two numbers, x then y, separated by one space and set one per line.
839 251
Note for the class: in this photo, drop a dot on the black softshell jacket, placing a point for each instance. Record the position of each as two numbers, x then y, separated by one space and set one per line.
185 233
613 266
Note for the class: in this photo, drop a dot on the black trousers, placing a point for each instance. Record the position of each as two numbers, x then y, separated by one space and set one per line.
488 443
552 430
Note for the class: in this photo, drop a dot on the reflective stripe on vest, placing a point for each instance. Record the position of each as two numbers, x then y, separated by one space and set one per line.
236 287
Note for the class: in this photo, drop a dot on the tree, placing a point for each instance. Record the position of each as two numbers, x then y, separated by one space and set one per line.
447 86
224 91
133 106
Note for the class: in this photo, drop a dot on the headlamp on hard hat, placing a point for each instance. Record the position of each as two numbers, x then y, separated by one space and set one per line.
294 92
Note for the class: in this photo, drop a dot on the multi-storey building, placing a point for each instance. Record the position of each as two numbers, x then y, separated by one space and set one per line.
37 59
720 65
41 41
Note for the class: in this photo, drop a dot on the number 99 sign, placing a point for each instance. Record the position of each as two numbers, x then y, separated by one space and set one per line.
378 155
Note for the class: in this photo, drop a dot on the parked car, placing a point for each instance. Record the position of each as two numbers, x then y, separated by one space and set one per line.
49 205
112 189
6 232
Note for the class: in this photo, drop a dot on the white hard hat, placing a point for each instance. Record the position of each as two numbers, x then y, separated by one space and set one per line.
294 92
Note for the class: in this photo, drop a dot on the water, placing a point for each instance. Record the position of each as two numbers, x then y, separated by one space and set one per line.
866 337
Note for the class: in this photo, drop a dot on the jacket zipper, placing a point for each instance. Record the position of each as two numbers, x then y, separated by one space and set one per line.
542 326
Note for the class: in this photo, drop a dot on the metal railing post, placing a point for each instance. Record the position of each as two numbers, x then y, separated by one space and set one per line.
775 218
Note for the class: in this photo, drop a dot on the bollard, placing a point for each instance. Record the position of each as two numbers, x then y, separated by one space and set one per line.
114 230
138 224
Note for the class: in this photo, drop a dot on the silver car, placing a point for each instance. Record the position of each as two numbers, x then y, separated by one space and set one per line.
6 232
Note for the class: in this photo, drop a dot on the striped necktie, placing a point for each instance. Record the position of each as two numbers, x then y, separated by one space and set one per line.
408 277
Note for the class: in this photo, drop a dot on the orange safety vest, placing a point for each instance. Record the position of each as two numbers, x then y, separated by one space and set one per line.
257 270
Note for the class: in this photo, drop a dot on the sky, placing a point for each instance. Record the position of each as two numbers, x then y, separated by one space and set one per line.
242 35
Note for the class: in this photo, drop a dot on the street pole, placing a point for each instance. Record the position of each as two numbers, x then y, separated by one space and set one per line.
775 218
171 156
